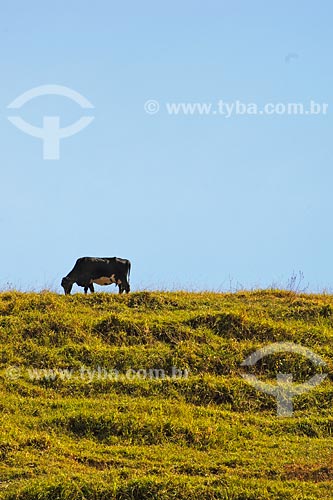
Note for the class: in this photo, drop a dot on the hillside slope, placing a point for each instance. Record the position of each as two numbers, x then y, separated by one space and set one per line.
141 397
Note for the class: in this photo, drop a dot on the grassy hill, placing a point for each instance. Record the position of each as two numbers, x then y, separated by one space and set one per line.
87 414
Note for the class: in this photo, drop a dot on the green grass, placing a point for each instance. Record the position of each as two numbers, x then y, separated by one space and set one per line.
74 426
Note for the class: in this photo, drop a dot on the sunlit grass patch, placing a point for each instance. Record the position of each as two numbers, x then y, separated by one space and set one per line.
142 396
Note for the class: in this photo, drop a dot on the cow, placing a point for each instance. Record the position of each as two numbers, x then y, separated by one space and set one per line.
103 271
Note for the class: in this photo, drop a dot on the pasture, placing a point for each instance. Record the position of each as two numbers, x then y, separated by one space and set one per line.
91 409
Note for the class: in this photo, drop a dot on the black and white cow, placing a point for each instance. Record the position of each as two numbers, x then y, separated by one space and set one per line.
103 271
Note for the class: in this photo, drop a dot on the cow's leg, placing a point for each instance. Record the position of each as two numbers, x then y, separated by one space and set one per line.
86 290
123 285
119 284
91 288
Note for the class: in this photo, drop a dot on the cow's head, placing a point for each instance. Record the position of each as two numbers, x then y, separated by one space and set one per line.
67 284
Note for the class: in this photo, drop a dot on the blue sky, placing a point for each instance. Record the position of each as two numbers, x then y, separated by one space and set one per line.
199 202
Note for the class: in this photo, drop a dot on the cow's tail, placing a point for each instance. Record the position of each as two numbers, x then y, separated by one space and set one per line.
129 270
